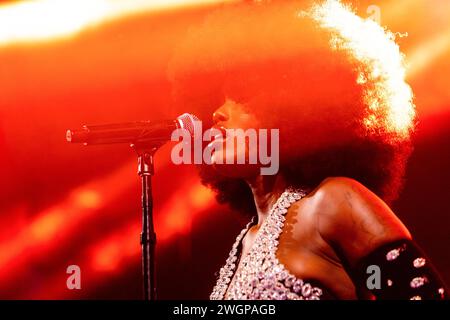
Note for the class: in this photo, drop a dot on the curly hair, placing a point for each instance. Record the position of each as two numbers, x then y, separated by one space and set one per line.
333 83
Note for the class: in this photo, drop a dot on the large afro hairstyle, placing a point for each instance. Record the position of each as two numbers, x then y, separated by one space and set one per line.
332 81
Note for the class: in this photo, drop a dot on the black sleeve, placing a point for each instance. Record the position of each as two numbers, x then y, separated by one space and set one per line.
404 273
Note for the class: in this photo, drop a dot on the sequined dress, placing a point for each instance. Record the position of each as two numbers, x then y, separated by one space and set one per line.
261 276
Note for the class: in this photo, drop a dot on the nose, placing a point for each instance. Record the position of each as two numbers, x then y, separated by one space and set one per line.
220 115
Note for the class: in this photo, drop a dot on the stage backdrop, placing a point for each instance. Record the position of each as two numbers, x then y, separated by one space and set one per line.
68 63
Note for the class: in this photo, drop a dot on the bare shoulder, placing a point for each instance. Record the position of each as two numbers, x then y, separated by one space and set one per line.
355 219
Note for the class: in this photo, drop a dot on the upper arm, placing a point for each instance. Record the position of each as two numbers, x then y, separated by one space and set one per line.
354 220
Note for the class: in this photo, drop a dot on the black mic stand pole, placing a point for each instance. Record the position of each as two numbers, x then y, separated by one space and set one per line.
148 235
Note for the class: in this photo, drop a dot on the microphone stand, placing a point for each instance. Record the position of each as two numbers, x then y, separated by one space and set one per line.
149 138
148 236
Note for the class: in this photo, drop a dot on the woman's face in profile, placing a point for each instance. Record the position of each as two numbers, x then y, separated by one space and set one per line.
235 141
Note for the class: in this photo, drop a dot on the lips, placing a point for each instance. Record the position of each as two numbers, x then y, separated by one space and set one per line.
218 139
219 136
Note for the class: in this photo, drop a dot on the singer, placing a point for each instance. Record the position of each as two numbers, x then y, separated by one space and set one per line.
333 84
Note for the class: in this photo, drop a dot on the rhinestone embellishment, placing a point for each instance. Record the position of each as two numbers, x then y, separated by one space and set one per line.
394 254
261 275
419 262
418 282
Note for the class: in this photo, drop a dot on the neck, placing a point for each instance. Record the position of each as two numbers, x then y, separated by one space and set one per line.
266 191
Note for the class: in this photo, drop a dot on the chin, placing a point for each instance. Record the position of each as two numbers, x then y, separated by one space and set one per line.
236 171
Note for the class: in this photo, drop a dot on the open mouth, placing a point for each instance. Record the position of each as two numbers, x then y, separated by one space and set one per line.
220 136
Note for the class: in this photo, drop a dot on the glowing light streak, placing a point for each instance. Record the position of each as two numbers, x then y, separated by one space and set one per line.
30 21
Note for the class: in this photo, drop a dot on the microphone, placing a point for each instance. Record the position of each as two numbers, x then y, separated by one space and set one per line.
138 132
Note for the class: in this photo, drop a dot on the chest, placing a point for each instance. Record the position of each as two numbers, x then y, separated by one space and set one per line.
289 246
260 274
287 261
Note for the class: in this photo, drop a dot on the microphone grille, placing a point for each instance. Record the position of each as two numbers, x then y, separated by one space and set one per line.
189 122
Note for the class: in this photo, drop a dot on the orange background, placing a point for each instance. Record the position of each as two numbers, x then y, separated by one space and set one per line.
63 204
